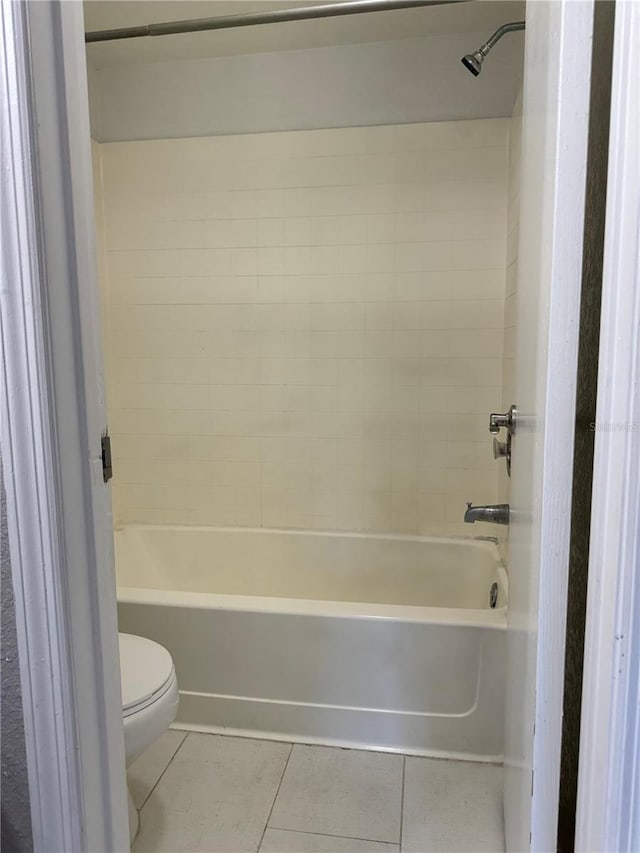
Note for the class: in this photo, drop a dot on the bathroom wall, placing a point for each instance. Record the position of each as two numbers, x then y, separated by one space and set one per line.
511 278
16 812
385 82
101 249
305 329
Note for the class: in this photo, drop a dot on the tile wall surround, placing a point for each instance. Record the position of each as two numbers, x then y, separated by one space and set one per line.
101 250
509 395
305 329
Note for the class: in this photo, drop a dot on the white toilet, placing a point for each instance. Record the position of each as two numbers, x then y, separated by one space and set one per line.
149 699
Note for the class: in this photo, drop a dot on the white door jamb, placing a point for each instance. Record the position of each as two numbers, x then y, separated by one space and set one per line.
50 407
608 810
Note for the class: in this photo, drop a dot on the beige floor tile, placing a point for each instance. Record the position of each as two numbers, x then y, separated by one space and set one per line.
145 771
452 807
341 792
166 831
284 841
217 792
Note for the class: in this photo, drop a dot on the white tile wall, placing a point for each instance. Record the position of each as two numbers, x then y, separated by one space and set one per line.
306 329
511 290
101 249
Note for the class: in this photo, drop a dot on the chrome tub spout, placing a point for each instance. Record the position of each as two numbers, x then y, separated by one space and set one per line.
496 513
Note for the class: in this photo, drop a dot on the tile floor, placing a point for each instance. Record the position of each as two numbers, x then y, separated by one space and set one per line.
202 793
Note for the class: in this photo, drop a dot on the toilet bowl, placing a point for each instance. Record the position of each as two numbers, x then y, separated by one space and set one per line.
149 700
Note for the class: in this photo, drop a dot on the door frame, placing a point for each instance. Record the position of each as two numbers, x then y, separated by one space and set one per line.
52 417
608 770
58 506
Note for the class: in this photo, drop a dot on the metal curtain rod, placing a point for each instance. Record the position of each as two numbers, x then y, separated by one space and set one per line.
251 19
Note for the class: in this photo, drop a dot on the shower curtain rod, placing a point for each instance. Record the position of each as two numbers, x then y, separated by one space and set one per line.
304 13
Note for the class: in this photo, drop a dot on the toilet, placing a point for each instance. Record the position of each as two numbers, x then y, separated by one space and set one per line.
149 700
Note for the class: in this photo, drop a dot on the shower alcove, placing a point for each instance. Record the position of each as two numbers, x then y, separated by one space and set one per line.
308 314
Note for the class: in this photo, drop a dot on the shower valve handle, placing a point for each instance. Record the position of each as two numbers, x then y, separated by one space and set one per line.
500 449
506 420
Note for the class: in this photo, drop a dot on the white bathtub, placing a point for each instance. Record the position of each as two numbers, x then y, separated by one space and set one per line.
384 642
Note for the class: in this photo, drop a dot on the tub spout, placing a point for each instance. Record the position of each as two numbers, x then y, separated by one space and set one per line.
496 514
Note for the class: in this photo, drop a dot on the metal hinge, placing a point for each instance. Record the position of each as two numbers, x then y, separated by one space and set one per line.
107 466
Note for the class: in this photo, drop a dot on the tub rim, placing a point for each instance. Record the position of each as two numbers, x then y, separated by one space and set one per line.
484 542
496 618
279 605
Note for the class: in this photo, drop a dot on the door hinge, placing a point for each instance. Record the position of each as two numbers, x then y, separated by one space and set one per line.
107 465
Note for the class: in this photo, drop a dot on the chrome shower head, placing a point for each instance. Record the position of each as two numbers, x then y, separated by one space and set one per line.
473 61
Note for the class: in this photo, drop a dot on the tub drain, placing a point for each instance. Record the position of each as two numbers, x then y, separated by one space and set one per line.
493 595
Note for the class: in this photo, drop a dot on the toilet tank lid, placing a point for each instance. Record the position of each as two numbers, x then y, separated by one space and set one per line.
145 668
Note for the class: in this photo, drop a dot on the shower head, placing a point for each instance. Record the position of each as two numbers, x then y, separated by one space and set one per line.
473 61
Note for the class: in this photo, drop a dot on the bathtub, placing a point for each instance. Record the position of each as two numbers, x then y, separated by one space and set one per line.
369 641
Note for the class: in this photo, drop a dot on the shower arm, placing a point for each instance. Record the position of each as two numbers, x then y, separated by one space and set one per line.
512 27
305 13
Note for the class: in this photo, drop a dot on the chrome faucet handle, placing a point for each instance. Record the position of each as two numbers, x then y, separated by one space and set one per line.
500 449
506 420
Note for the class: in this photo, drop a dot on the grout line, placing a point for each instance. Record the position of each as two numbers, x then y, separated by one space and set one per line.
179 747
331 835
404 766
266 825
